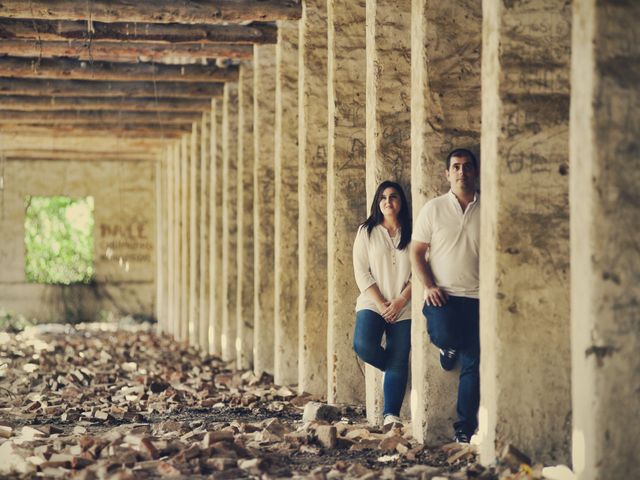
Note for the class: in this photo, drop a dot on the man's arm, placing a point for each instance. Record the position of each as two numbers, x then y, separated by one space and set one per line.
433 294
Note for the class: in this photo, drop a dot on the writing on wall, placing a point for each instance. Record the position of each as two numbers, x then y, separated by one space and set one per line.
127 240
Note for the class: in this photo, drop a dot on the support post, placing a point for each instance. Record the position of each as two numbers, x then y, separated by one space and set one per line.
184 238
525 364
345 190
605 264
312 198
194 235
246 239
205 211
286 202
217 108
445 114
229 219
264 57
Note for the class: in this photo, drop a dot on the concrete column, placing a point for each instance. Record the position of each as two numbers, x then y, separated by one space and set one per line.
445 113
524 267
184 237
168 185
264 61
246 157
388 113
286 206
605 265
177 239
204 264
161 298
217 186
312 198
345 189
229 219
194 234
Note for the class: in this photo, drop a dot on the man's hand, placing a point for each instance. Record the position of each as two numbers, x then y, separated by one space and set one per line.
435 296
391 313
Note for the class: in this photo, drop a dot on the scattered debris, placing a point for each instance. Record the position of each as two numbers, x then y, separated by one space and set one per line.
97 402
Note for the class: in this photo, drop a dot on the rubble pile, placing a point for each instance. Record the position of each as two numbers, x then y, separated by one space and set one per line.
96 402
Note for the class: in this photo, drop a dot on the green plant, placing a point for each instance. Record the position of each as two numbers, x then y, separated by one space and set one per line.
59 240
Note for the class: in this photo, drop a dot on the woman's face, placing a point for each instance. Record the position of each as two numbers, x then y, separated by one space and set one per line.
390 202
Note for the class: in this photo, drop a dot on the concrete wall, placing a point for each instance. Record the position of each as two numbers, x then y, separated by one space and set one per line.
124 215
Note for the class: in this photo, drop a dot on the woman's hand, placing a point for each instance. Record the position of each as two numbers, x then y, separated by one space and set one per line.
382 305
394 307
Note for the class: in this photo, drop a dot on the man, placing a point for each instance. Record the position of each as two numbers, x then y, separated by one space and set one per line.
448 230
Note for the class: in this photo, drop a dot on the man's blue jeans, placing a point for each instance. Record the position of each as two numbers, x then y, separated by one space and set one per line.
457 325
393 359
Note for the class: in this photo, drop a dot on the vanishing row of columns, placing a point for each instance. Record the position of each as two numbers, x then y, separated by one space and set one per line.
259 205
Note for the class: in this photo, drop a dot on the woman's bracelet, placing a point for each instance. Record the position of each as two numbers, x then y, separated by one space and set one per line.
405 298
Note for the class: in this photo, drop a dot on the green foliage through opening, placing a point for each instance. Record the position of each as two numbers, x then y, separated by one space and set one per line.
59 240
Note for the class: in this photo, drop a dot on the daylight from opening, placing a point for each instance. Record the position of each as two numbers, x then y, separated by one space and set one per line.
59 240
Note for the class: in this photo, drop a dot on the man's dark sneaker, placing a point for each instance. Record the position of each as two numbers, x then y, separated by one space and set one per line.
448 357
461 437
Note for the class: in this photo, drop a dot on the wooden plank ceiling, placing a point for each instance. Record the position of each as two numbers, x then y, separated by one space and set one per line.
118 79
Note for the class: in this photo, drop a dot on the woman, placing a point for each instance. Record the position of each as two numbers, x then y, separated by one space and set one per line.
383 270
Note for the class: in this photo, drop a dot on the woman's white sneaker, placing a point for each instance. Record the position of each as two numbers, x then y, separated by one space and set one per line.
391 420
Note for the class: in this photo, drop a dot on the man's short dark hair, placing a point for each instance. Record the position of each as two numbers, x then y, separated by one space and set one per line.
463 153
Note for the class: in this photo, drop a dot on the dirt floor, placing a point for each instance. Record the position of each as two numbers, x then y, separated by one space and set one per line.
99 401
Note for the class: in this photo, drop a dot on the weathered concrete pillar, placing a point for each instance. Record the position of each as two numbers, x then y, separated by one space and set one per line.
524 258
264 93
159 241
168 185
605 264
177 239
286 206
184 238
445 114
345 189
204 264
229 219
388 113
194 234
312 198
217 189
246 157
157 310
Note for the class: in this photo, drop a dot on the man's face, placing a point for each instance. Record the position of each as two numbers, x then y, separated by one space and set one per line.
462 174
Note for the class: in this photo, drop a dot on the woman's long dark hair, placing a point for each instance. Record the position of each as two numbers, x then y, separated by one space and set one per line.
404 217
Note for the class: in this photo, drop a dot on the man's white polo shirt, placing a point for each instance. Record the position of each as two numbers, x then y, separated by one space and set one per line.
454 239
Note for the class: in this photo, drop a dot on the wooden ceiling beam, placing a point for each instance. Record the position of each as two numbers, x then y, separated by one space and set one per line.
22 154
87 88
154 11
105 116
15 67
162 104
100 129
63 30
130 52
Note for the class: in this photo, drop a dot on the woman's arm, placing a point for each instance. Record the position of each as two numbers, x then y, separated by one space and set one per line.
374 292
364 279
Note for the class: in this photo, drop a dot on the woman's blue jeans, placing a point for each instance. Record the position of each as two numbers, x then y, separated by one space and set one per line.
456 325
393 359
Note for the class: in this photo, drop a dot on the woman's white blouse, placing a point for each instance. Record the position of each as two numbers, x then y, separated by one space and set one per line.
376 259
